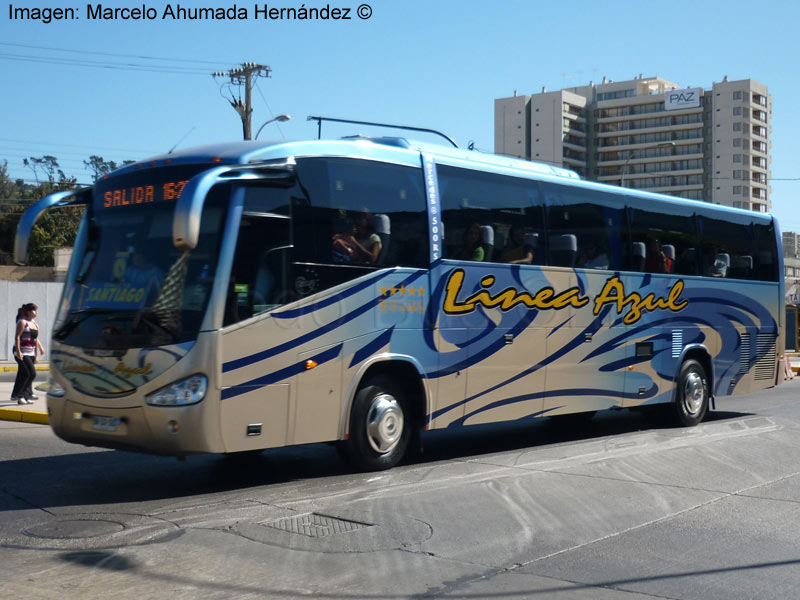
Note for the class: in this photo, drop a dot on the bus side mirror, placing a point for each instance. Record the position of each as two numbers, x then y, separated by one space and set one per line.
29 218
189 209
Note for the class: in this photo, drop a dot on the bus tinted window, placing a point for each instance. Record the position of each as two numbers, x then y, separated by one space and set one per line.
727 248
766 252
585 228
490 218
360 213
663 243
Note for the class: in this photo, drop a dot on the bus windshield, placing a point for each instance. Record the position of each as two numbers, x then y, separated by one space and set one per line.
132 288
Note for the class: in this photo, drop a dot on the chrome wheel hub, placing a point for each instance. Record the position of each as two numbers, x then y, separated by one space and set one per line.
384 423
693 393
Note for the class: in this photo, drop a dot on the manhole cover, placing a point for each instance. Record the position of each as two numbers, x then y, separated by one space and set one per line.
74 528
90 532
344 531
315 525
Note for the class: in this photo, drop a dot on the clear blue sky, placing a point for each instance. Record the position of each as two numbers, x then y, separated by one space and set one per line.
437 64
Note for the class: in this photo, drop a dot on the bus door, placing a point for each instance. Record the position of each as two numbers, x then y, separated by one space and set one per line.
256 399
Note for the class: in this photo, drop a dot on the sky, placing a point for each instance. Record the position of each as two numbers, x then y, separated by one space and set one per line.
128 89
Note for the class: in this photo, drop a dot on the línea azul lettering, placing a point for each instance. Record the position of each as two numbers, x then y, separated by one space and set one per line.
544 299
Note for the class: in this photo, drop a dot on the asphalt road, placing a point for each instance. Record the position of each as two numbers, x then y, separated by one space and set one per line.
613 509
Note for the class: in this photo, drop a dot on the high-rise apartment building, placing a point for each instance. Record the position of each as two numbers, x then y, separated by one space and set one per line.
791 244
648 133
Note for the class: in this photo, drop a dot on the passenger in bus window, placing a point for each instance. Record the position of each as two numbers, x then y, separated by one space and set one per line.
517 252
343 242
143 274
472 248
368 242
357 242
594 258
657 261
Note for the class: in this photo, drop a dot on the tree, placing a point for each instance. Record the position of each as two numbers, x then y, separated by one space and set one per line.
9 192
48 164
54 229
99 167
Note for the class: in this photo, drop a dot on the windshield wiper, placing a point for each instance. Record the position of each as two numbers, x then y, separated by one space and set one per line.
76 317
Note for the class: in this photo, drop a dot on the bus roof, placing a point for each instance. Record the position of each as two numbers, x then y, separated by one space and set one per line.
405 151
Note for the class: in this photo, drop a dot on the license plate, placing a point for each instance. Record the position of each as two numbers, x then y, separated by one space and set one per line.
105 423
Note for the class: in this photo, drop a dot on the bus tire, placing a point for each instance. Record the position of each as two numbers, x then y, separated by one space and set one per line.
380 425
691 399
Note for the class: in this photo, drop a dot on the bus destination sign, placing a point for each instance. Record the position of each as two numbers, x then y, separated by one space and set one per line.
143 194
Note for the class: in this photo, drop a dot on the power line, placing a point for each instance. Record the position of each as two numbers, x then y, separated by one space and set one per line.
94 52
174 70
271 114
148 152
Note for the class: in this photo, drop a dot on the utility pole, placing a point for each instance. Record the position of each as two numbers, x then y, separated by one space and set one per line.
244 76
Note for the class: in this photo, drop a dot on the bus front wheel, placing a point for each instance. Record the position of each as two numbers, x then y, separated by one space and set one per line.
691 402
380 427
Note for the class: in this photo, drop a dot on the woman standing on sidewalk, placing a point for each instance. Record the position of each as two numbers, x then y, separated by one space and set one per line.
26 352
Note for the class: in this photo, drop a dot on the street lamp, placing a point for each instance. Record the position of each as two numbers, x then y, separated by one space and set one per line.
280 118
632 154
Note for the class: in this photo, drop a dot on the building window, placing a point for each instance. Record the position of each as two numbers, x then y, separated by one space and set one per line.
737 158
737 190
737 111
737 126
737 142
737 95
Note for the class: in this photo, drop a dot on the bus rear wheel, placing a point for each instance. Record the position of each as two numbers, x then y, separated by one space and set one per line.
691 402
380 427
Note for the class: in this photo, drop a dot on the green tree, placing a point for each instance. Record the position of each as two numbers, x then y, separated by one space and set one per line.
99 167
54 229
9 192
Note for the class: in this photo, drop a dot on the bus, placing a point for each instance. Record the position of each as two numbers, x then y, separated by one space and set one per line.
251 295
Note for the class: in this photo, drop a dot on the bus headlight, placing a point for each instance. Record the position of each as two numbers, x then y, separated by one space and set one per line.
181 393
55 390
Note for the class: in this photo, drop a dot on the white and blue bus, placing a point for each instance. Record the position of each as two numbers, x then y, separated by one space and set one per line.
247 296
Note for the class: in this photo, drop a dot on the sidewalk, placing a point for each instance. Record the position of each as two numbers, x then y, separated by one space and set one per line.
23 413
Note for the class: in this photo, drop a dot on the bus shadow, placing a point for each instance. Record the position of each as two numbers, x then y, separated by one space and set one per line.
479 440
117 477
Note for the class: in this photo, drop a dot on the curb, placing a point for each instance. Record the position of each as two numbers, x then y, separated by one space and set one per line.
24 416
13 368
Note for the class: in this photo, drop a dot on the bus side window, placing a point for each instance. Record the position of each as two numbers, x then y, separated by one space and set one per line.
591 221
360 213
727 246
490 217
766 267
663 243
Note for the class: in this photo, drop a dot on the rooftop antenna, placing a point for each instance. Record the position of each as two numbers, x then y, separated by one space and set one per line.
185 135
319 121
